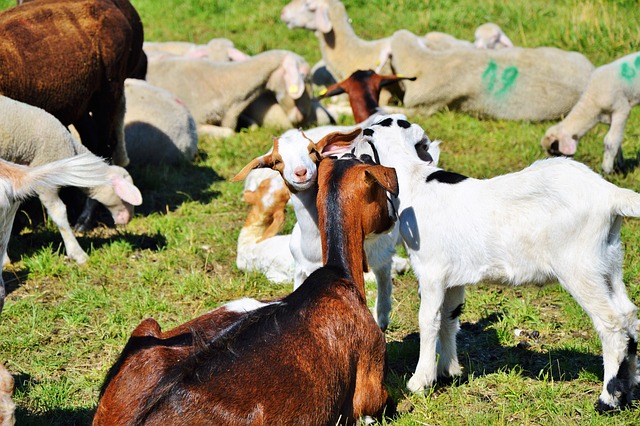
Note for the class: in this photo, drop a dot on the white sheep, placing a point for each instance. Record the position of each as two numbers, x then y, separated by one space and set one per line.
555 220
487 36
515 84
611 92
259 247
217 93
343 52
296 157
217 50
34 137
158 127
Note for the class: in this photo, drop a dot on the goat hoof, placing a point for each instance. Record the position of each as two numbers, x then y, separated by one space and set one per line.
416 384
604 408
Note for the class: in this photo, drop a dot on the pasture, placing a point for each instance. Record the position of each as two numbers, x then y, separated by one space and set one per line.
530 355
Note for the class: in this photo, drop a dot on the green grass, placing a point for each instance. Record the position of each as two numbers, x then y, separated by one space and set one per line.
63 325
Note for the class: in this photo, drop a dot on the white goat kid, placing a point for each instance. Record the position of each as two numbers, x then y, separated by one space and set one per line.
555 220
296 157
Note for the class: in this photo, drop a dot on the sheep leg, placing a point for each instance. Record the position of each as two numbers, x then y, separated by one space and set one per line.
58 213
429 319
383 302
448 365
613 140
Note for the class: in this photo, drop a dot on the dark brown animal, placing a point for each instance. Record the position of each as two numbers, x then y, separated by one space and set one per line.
363 88
315 357
70 58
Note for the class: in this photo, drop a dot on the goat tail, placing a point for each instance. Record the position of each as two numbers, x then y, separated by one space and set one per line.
626 203
84 170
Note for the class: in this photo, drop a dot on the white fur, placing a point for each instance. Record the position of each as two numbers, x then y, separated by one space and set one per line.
246 304
555 220
608 98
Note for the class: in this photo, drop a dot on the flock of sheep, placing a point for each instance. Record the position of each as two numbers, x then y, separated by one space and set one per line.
135 101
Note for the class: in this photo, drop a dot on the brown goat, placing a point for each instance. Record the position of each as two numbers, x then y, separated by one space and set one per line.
70 58
314 357
363 88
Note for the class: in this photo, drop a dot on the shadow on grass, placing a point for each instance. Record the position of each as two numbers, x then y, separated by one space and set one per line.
481 353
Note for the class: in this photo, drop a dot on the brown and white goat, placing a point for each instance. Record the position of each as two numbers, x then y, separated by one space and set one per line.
363 88
314 357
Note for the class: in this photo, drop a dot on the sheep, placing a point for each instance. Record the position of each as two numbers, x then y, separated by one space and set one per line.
487 36
259 248
555 220
515 84
217 92
343 52
296 157
158 127
611 92
216 50
32 136
7 406
272 363
363 88
101 43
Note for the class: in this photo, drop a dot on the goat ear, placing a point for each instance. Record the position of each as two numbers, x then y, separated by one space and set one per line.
126 190
385 177
390 79
337 142
293 79
333 90
264 161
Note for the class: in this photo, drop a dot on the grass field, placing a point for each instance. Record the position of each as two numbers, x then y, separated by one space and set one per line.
63 325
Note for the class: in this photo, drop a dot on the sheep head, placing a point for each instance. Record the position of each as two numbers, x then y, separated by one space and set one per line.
556 141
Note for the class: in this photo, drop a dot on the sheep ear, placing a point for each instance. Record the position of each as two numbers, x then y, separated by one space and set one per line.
126 190
264 161
385 177
333 90
293 78
323 22
504 40
337 142
237 55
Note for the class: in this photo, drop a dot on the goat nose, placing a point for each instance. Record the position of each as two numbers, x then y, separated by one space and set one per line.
554 148
300 172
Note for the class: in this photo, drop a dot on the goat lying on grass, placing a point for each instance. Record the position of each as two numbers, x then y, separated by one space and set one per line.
555 220
314 357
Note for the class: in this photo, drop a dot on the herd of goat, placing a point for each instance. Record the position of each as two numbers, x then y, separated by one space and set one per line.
318 355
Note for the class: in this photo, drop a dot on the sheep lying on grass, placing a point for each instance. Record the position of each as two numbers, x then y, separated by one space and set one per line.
272 363
34 137
217 93
487 36
611 92
555 220
216 50
514 84
158 127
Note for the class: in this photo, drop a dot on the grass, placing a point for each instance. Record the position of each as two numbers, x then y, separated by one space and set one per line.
63 325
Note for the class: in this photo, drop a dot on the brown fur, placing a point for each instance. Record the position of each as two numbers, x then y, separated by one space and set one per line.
317 357
363 88
269 217
70 58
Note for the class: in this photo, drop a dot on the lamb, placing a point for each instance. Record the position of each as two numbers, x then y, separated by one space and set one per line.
363 88
611 92
487 36
101 43
216 50
512 84
259 247
296 157
273 364
217 93
343 52
31 136
158 127
555 220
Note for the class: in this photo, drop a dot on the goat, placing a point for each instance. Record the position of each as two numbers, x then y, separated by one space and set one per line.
314 357
296 157
363 88
555 220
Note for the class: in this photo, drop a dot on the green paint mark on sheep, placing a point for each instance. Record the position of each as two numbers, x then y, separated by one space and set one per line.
636 63
490 78
627 72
